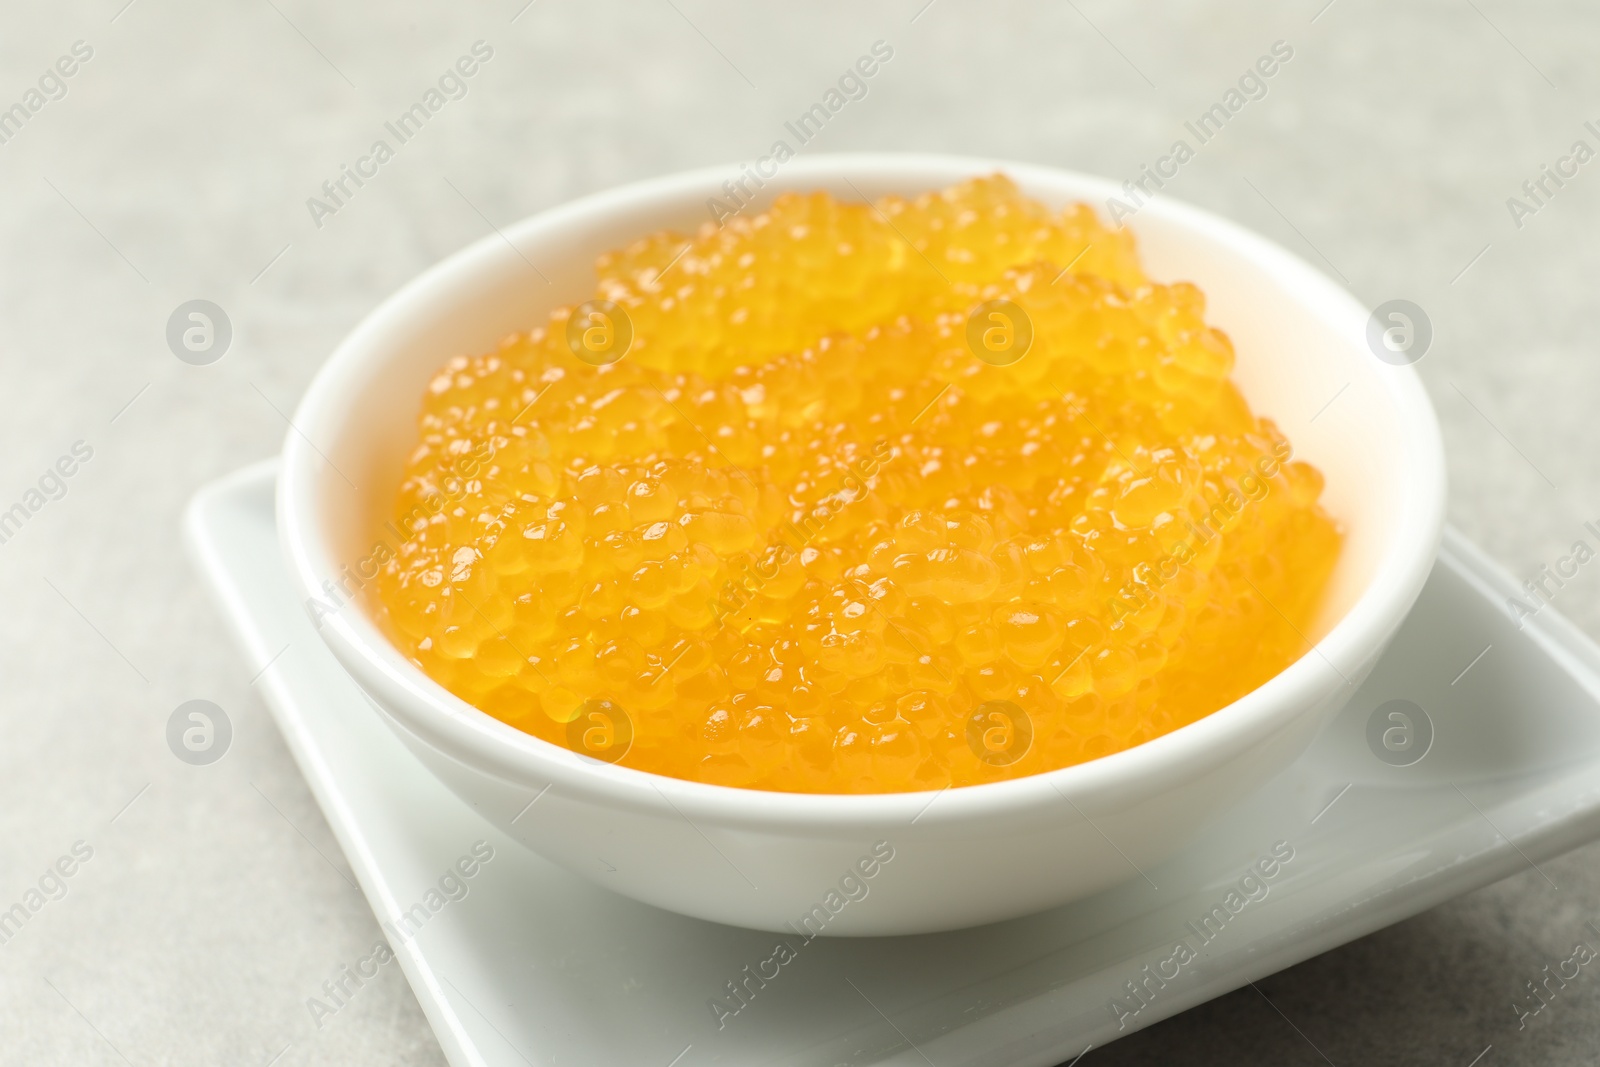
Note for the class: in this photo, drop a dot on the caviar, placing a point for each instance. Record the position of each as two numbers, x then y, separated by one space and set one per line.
801 537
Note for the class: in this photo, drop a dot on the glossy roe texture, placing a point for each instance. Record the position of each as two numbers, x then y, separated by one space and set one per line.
800 537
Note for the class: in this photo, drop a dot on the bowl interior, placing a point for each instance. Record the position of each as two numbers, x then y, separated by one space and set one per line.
1302 361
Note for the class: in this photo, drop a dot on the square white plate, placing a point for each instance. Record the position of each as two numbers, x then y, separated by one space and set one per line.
539 966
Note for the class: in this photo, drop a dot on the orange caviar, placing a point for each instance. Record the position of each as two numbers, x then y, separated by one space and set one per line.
801 537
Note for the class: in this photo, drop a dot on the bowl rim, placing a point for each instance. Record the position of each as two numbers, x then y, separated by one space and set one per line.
443 721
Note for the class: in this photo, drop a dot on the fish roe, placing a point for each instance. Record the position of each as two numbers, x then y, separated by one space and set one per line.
809 535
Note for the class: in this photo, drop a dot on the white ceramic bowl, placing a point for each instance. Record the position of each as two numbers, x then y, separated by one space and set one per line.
964 856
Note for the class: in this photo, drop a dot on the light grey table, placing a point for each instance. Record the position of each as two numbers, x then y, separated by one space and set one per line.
176 162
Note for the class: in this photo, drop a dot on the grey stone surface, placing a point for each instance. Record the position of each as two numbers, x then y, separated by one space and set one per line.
177 167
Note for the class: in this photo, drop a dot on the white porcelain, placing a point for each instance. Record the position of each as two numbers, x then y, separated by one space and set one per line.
537 965
962 856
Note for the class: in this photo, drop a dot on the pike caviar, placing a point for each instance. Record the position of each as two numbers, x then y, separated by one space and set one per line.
801 537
